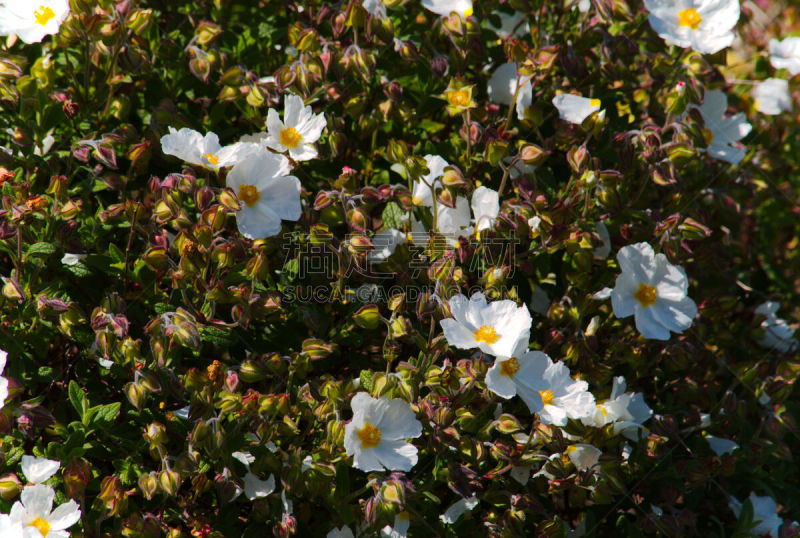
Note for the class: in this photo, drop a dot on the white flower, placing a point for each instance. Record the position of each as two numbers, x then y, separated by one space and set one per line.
546 388
3 380
457 509
32 20
35 509
785 54
10 528
574 108
485 207
72 259
584 5
445 7
194 148
777 333
422 195
720 445
772 96
268 195
376 437
375 7
722 133
533 224
343 532
706 26
298 131
400 528
385 242
38 470
603 250
515 24
652 290
500 328
626 410
503 86
583 456
254 487
455 221
764 510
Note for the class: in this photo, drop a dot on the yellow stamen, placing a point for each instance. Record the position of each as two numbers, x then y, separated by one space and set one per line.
689 17
291 138
404 516
510 367
40 525
547 396
369 435
459 98
595 102
417 200
708 136
468 12
571 449
646 295
248 194
486 334
211 158
44 15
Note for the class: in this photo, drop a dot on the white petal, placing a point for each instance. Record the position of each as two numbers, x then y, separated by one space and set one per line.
647 325
584 456
37 499
498 383
396 455
457 509
721 446
485 207
503 84
293 107
458 335
622 300
255 488
399 421
574 108
65 516
38 470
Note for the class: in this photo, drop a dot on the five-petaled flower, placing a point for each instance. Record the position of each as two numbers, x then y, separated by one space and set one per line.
723 134
206 151
31 20
298 131
376 437
653 291
499 328
705 26
34 510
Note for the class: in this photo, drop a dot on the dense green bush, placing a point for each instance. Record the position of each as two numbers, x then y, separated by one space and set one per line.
194 330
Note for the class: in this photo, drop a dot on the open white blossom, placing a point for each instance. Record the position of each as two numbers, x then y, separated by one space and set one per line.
653 291
3 380
34 510
458 509
706 26
546 388
194 148
375 7
254 487
574 108
298 131
38 470
402 522
777 333
446 7
583 456
626 410
376 437
72 259
499 328
785 54
503 87
421 194
720 445
764 511
772 96
515 24
723 134
343 532
267 194
385 243
32 20
485 207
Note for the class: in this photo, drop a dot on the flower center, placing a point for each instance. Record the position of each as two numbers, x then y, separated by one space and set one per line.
417 200
40 525
468 12
689 17
547 397
708 136
459 98
291 138
211 158
486 334
510 367
595 102
248 194
369 435
646 295
43 15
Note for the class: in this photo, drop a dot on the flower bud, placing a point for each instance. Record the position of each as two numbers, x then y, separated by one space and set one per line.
10 486
169 481
367 317
77 475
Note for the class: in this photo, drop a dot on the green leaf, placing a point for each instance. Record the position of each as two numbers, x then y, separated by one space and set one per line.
42 250
78 399
218 337
393 216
